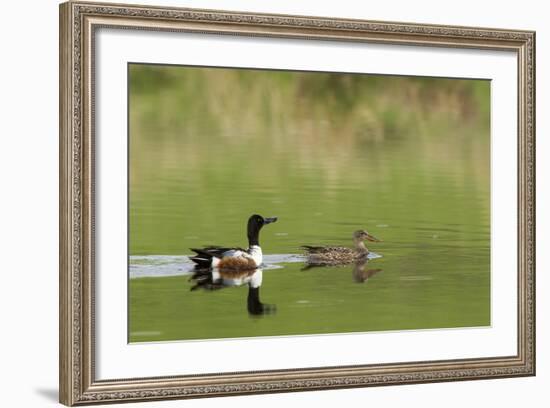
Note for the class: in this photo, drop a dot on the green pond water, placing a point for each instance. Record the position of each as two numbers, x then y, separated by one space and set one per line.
406 158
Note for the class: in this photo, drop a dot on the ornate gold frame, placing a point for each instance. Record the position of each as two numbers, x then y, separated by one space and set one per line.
78 22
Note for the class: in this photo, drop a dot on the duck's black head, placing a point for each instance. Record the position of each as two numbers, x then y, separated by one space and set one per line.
255 224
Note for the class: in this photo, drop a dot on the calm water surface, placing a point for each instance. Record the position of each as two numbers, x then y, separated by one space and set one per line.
405 158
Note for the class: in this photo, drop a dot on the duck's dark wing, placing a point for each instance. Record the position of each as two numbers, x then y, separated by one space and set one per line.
203 257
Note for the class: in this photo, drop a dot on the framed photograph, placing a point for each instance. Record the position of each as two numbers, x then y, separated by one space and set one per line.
256 203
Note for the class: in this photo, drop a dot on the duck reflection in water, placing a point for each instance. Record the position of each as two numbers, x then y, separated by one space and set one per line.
359 272
213 279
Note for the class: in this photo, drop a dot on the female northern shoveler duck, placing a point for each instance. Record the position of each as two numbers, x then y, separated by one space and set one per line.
336 255
235 258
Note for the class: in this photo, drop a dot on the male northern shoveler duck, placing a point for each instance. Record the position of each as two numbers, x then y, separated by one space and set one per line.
337 255
235 258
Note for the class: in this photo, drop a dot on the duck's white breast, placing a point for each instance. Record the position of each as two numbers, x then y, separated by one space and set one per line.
255 253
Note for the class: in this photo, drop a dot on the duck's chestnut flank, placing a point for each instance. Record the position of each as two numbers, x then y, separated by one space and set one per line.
236 263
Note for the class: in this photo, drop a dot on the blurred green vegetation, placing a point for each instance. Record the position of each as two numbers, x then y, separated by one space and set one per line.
208 145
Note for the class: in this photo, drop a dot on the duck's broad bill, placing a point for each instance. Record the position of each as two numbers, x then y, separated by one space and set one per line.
272 203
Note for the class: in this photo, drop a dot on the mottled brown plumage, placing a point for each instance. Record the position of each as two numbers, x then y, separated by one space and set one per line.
338 255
